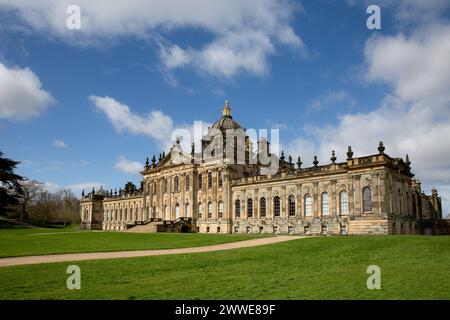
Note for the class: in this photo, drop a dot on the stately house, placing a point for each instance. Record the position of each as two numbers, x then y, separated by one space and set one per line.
227 192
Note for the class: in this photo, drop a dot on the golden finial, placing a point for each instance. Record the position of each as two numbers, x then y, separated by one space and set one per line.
226 110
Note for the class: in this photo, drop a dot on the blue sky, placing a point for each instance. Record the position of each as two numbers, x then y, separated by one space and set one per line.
310 68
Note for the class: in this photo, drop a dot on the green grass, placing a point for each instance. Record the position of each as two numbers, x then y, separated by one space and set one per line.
412 267
24 242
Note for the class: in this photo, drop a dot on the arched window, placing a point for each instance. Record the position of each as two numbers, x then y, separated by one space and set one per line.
154 187
187 183
237 208
176 184
308 205
209 210
367 199
262 207
165 185
177 211
325 204
200 210
220 207
200 181
343 202
249 208
291 205
276 206
187 210
210 180
220 178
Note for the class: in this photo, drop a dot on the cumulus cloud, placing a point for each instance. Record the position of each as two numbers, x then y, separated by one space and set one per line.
413 118
410 12
224 57
128 166
60 144
155 124
416 67
244 33
21 94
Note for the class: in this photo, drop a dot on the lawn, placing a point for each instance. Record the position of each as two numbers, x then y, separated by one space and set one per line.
23 242
412 267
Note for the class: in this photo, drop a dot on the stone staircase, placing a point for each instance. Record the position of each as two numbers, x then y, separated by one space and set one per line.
158 225
373 226
149 226
178 225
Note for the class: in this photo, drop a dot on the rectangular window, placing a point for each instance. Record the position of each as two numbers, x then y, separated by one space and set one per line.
210 180
308 206
220 209
276 207
200 181
220 180
344 203
188 182
325 204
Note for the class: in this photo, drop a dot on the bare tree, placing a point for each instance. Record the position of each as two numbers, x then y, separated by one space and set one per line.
31 190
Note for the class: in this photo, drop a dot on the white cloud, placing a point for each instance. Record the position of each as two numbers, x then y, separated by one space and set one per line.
418 67
60 144
244 33
76 188
410 12
156 124
21 94
128 166
414 118
224 57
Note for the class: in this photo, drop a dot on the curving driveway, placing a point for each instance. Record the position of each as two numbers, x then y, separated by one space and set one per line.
17 261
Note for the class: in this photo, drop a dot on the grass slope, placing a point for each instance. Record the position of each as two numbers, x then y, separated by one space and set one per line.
412 267
24 242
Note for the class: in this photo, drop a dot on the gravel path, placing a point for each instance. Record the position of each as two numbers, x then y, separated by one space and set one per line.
17 261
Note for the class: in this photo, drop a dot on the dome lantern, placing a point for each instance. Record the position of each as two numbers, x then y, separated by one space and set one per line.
226 110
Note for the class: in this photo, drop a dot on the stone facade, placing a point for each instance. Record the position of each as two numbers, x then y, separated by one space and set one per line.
375 194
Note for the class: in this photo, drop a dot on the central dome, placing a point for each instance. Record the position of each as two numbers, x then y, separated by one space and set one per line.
226 121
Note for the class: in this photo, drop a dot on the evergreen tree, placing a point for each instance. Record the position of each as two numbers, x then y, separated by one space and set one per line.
10 188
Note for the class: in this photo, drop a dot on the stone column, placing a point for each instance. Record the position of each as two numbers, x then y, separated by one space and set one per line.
357 195
269 205
227 203
147 186
256 213
298 202
182 188
315 197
